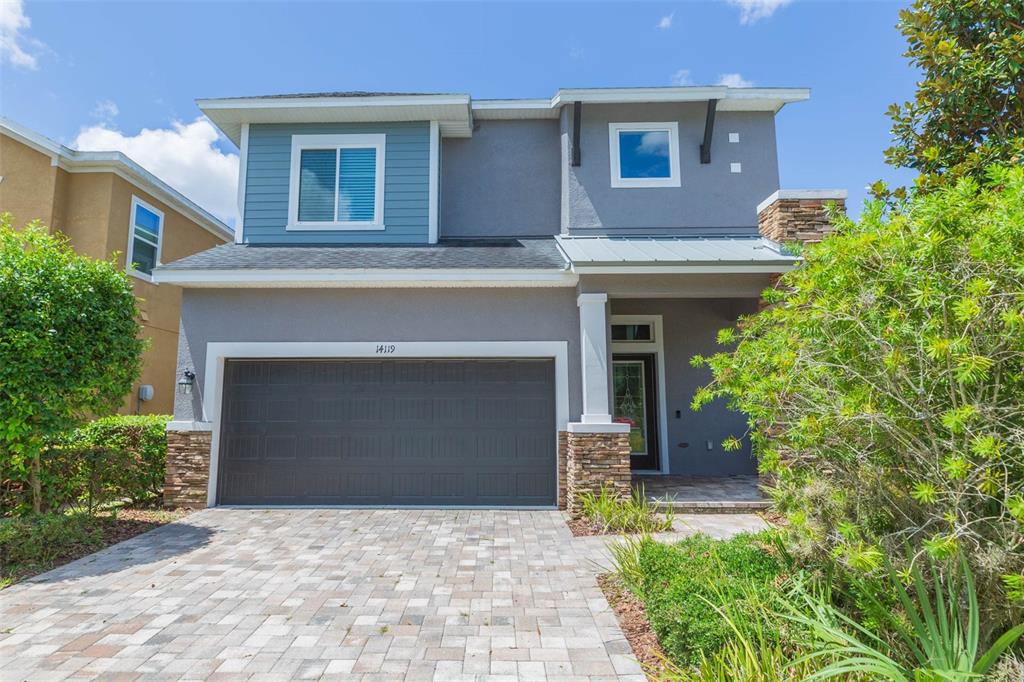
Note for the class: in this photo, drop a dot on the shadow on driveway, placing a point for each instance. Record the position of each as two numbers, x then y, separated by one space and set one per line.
165 542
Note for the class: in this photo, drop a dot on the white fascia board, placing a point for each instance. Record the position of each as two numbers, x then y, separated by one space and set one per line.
504 109
367 278
749 99
341 102
74 161
721 269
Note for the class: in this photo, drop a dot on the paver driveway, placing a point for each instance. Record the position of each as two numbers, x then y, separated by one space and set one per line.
309 593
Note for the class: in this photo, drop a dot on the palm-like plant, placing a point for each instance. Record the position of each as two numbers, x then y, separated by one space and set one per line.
943 641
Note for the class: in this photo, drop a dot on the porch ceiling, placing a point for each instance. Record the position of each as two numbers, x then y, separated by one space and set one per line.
675 254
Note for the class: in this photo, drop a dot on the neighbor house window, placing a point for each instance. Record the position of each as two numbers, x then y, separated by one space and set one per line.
146 233
337 182
644 154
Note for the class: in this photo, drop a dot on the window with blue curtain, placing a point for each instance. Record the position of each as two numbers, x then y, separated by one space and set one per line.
338 185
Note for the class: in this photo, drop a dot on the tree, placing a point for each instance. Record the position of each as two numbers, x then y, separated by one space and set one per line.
885 386
69 344
968 111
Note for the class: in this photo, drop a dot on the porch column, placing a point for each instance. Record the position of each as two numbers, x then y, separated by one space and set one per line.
594 349
597 450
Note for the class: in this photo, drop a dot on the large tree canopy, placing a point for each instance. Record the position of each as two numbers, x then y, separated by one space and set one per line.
69 340
968 111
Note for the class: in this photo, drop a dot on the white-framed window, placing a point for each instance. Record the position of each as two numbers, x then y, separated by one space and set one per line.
145 235
644 154
336 182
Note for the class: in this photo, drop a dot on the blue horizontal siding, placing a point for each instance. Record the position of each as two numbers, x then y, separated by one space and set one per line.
406 184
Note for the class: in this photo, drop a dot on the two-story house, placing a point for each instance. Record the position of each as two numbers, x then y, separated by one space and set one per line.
435 300
107 204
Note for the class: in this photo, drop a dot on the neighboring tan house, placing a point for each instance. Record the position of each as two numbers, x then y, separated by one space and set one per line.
440 301
106 203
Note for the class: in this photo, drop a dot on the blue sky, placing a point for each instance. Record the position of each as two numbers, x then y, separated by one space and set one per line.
125 74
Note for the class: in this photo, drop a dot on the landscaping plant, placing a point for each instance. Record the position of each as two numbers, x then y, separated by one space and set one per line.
69 345
885 389
686 586
633 514
939 630
120 458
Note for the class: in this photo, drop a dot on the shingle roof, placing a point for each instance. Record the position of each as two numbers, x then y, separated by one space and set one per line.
516 254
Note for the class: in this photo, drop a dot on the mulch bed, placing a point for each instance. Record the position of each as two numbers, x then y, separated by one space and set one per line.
633 621
585 527
129 522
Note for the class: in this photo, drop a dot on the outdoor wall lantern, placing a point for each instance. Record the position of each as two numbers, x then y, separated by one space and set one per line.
185 383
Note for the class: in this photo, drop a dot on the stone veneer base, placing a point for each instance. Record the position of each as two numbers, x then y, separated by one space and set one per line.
188 469
595 461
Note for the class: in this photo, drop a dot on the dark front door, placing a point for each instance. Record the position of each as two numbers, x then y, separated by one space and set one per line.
388 432
635 398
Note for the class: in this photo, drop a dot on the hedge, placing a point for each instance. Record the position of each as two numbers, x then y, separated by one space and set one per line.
116 458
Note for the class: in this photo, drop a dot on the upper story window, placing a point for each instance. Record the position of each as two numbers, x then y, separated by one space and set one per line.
644 154
337 182
144 239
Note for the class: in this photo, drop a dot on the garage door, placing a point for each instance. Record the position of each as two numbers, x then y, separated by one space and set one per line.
388 432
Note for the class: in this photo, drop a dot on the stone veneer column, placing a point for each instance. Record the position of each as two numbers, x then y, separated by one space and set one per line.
597 456
188 469
798 215
563 456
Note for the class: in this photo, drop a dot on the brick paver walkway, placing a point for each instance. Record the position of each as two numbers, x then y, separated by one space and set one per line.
311 593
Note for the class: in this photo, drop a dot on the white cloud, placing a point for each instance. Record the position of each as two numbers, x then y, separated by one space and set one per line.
183 156
666 22
734 80
15 46
654 143
681 77
752 11
105 110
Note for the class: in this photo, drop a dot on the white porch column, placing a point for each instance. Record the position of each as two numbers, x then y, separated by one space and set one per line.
594 349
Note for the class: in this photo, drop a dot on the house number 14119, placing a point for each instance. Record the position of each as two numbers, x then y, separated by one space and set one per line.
385 348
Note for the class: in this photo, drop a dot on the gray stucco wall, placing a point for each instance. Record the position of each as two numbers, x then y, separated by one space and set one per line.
711 200
690 328
381 315
502 182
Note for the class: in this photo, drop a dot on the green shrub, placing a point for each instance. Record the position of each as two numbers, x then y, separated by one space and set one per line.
117 458
635 514
69 344
885 388
36 542
686 585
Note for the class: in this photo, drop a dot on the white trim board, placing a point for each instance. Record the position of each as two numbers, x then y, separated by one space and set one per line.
218 352
243 167
130 250
300 143
617 181
657 347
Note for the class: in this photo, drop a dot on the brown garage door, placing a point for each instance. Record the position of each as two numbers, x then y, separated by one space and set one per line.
388 432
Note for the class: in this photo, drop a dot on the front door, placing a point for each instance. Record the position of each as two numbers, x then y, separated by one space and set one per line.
635 403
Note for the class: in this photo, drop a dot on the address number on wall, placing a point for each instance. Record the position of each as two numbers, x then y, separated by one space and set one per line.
386 348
